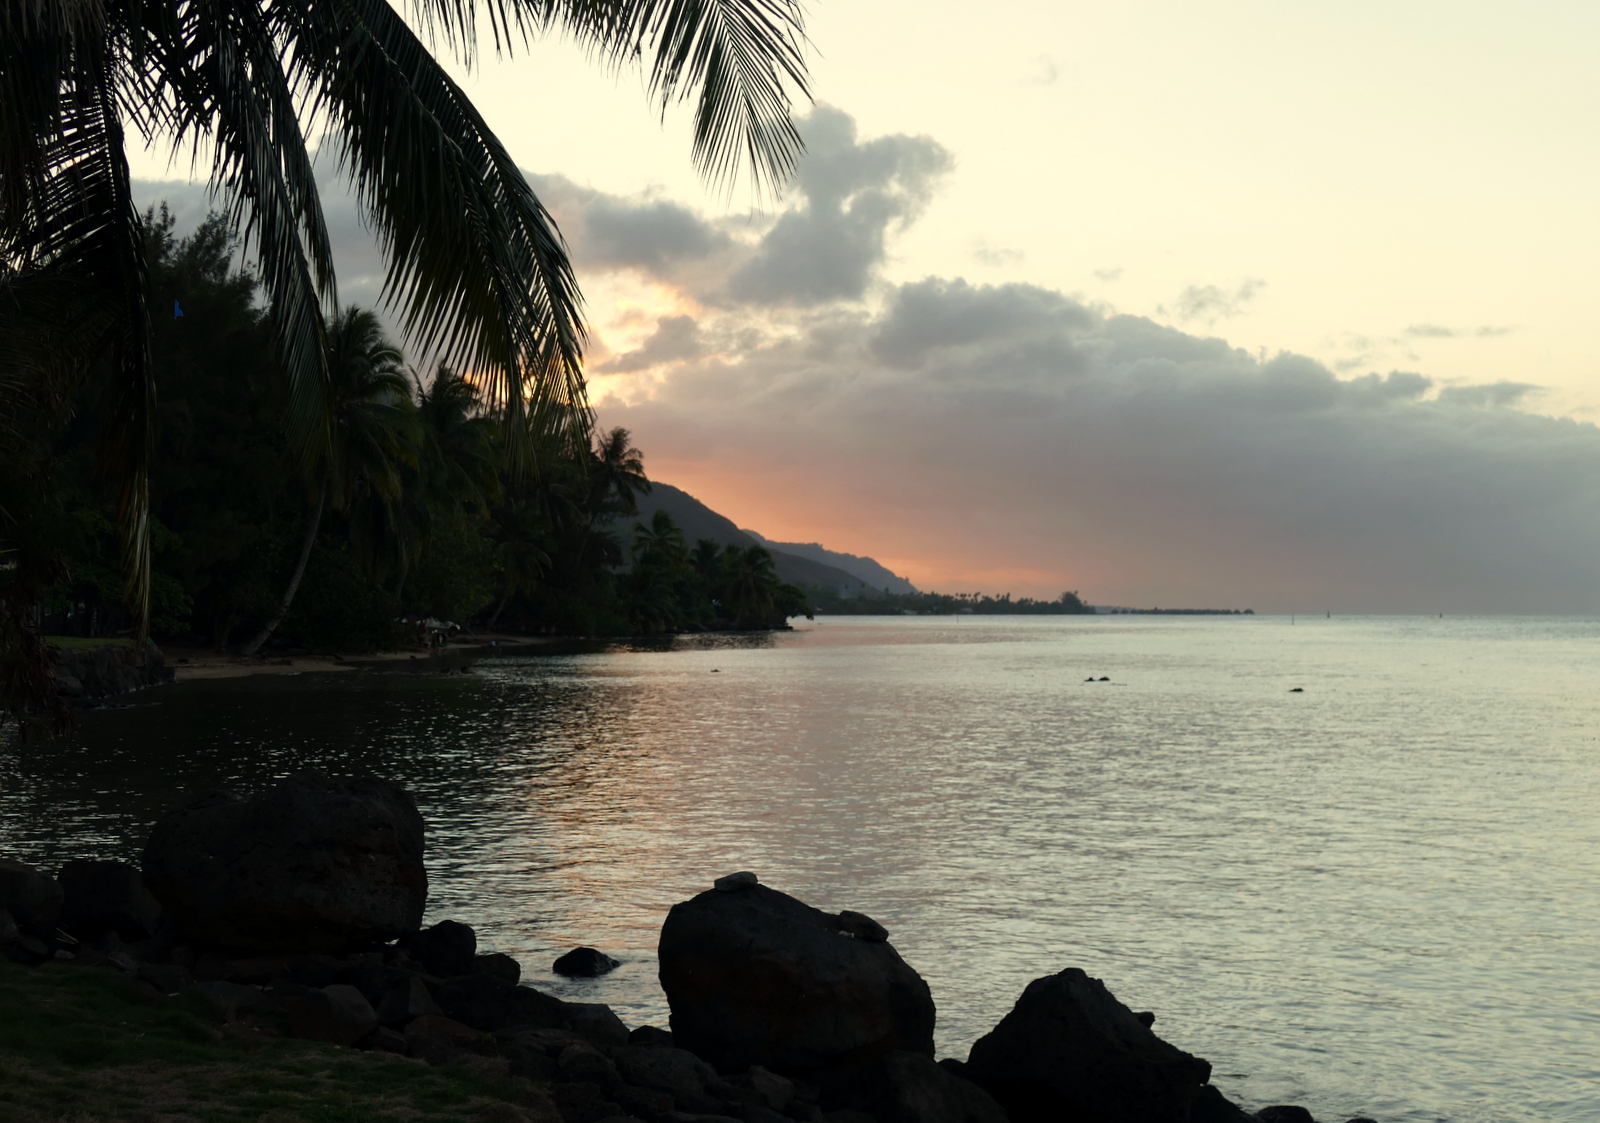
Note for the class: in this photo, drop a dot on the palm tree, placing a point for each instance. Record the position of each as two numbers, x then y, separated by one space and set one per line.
475 266
750 584
455 472
368 428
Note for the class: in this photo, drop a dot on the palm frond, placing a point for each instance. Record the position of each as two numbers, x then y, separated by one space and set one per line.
738 60
476 268
224 71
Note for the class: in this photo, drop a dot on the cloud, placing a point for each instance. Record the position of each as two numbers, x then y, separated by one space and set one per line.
1109 275
851 195
1010 437
1488 394
676 338
1435 331
1043 72
996 256
1211 303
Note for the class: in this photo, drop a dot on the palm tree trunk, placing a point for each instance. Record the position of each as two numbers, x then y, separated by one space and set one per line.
498 609
294 581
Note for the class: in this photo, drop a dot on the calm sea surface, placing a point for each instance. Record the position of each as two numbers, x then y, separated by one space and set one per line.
1379 896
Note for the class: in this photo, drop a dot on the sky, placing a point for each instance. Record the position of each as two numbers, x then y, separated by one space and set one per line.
1271 305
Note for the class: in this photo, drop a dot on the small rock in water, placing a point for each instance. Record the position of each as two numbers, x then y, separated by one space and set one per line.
584 963
1297 690
741 880
1105 678
862 927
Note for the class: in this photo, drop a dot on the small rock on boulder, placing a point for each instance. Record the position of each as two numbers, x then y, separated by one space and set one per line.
584 963
1069 1052
314 864
498 965
31 896
757 977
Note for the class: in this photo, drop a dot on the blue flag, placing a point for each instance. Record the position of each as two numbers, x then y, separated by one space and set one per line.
177 310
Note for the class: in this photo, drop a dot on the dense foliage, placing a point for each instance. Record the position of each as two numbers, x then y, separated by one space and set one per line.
872 603
420 506
473 263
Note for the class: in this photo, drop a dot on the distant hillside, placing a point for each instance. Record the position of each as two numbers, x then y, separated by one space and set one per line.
699 521
865 570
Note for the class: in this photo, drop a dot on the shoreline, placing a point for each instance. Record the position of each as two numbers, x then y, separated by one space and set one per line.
201 664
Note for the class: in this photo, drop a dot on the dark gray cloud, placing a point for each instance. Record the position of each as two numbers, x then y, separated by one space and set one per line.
1011 424
675 339
851 194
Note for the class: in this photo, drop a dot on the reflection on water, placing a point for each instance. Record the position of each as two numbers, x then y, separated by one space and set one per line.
1376 896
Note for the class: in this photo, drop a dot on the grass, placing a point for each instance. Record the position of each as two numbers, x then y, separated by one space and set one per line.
84 643
78 1046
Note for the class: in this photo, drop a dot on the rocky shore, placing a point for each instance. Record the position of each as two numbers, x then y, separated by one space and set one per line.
91 675
297 911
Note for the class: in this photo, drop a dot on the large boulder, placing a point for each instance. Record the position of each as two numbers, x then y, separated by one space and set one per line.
103 896
31 896
755 977
1069 1052
312 865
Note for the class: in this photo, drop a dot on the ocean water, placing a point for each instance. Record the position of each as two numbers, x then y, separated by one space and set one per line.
1379 895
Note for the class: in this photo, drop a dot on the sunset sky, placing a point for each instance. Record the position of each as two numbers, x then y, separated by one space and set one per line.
1277 305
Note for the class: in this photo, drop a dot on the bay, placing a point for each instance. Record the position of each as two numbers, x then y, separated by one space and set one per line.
1374 896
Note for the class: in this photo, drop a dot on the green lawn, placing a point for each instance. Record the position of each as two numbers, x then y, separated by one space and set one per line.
82 643
77 1046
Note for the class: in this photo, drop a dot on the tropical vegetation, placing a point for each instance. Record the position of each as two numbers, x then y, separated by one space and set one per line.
420 505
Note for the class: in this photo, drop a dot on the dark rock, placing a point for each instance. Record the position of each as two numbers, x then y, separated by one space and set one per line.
338 1013
692 1117
315 971
101 896
168 978
757 977
596 1022
493 1006
644 1103
1284 1113
1211 1106
232 999
498 965
862 927
584 963
447 948
582 1102
535 1053
850 1115
405 1000
385 1040
744 879
439 1040
650 1035
101 672
261 970
9 932
1069 1052
678 1072
582 1062
776 1092
312 865
904 1087
31 896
